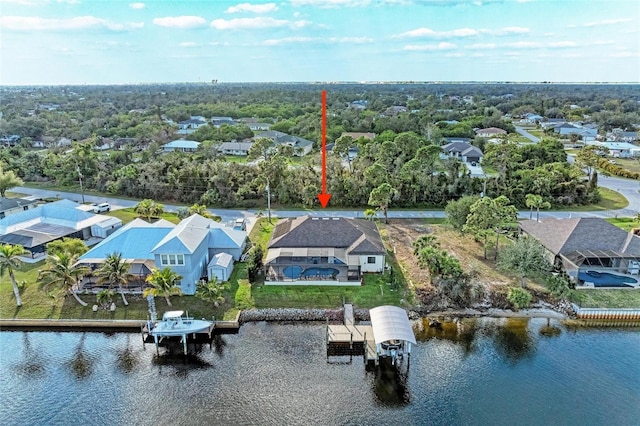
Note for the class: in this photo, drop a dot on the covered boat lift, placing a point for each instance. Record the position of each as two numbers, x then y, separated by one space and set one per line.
392 333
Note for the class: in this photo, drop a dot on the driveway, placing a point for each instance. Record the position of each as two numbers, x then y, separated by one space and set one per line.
527 135
476 171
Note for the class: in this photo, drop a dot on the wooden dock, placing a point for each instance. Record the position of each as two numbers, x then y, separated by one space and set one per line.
350 339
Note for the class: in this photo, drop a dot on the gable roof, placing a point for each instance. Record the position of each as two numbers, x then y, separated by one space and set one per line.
463 148
182 143
283 138
491 130
186 236
563 236
12 203
358 236
223 260
135 240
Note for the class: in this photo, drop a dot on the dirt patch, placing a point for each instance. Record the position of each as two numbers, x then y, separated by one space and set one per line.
399 235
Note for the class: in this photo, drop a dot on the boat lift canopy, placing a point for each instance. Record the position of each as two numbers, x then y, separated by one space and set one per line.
391 323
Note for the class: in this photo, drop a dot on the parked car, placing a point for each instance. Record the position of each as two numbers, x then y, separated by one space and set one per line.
473 163
101 208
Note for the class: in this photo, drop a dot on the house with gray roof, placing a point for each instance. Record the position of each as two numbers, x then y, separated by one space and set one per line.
186 248
235 148
323 250
589 250
35 227
15 205
300 145
464 151
189 126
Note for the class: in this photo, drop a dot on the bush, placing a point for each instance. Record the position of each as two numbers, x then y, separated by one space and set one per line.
519 297
558 286
244 300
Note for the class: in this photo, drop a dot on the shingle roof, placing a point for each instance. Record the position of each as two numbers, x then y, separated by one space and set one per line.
187 235
563 236
221 259
12 203
359 236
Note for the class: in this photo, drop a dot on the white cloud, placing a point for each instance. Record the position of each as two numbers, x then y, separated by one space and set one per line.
38 2
481 46
561 44
330 3
180 21
332 40
188 44
431 47
254 8
136 5
524 45
601 23
34 23
256 23
460 32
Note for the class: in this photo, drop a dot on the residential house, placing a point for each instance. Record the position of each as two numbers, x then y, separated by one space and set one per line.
235 148
181 145
187 248
189 126
10 206
35 227
300 146
219 121
456 139
547 123
531 118
586 247
327 250
464 151
490 132
259 127
357 135
618 149
619 135
359 105
10 140
394 110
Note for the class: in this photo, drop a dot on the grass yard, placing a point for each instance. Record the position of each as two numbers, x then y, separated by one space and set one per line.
127 215
631 164
611 200
376 291
625 223
607 298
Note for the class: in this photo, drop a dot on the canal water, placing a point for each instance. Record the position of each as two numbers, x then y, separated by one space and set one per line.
473 372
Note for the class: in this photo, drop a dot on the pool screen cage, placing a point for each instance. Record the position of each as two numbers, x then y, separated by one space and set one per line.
601 260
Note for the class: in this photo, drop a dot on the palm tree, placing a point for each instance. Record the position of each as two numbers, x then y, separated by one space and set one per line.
115 271
62 271
537 202
163 283
211 291
9 261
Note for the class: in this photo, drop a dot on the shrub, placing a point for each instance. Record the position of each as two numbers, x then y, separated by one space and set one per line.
519 297
244 300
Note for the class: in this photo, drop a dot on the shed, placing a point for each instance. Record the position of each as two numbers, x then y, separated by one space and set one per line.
220 266
106 227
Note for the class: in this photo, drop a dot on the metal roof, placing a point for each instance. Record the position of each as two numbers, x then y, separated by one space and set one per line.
391 323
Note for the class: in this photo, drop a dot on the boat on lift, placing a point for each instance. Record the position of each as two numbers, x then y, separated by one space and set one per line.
176 324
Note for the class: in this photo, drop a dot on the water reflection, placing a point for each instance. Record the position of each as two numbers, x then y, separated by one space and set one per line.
33 365
180 365
81 364
390 384
219 345
513 340
460 331
549 330
126 360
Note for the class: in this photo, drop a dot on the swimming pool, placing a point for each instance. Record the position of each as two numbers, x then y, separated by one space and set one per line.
294 272
606 279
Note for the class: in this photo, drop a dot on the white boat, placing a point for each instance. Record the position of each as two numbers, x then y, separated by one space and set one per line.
175 324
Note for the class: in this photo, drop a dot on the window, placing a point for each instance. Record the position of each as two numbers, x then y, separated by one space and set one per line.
371 259
172 259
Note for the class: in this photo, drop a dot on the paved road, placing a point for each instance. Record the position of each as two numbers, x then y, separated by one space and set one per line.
527 135
628 188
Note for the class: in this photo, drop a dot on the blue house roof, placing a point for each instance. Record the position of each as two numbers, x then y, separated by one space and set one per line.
135 241
182 143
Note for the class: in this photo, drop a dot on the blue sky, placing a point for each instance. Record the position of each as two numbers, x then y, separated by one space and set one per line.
113 42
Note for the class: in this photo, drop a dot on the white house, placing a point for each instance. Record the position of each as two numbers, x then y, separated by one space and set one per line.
326 250
181 145
235 148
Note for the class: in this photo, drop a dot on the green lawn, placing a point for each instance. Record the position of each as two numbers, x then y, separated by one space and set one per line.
127 215
607 298
626 223
611 200
375 292
631 164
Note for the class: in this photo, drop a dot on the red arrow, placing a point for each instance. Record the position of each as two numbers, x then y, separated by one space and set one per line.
324 197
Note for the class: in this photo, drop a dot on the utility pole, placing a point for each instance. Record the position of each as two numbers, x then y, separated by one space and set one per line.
268 200
80 179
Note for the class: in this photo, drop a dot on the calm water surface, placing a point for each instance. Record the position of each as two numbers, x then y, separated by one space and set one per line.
486 371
